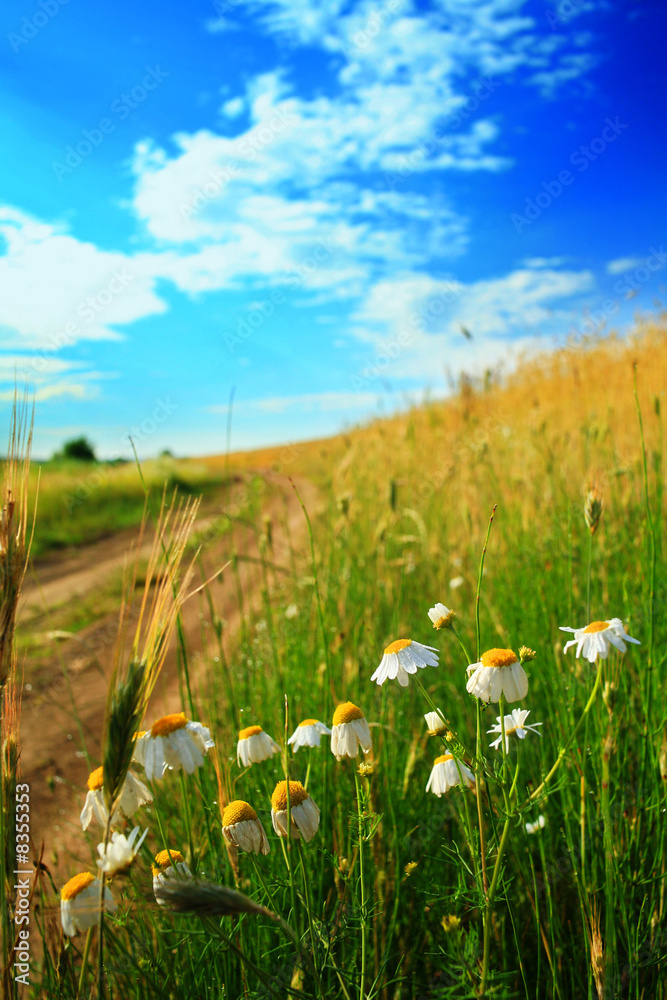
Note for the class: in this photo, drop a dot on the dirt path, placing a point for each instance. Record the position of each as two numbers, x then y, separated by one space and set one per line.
68 707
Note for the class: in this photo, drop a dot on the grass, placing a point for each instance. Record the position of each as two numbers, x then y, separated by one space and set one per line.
80 502
402 894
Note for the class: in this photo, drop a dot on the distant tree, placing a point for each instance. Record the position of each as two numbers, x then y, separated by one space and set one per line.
79 449
166 453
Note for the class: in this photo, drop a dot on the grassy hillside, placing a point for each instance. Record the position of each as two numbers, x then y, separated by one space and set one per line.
401 893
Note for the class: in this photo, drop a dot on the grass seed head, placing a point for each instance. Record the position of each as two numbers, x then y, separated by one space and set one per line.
593 509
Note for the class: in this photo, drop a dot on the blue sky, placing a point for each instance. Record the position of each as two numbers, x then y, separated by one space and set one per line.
308 200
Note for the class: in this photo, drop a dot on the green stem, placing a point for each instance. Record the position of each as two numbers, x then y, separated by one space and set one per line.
188 826
652 549
588 576
479 761
568 744
489 904
461 644
84 960
479 582
311 926
362 884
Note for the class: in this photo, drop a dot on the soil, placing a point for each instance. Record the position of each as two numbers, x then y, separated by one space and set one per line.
64 709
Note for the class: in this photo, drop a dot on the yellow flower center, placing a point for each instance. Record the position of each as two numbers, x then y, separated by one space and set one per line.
397 646
308 722
95 779
297 795
596 627
499 658
245 734
347 712
445 757
76 885
166 859
169 724
238 812
137 736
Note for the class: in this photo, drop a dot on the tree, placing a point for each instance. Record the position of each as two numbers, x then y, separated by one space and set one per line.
79 449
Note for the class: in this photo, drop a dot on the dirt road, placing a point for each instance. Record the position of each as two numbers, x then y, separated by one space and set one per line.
65 710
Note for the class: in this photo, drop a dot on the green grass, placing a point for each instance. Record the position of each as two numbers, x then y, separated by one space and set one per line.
578 909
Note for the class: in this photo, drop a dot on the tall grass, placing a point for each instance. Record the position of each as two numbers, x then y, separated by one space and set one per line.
403 894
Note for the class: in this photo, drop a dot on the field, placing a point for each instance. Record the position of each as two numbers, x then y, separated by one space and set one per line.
523 506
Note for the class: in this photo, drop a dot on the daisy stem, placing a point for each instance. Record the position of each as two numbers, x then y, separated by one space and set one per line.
538 791
429 701
311 928
100 947
188 826
478 795
287 848
479 582
492 891
461 644
84 960
362 885
588 576
263 884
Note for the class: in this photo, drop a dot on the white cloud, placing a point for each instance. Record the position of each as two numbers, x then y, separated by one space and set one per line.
319 402
622 264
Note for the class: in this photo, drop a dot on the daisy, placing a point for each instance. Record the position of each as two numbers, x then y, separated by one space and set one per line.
514 726
134 795
441 616
350 731
498 672
242 828
539 824
308 734
117 856
435 723
168 865
597 638
445 774
304 814
80 903
173 742
254 746
403 657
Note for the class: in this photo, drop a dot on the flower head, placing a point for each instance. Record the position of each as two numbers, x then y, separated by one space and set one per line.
169 864
308 734
173 742
117 856
539 824
498 672
349 732
446 773
597 638
403 657
133 795
242 828
254 746
441 616
514 726
80 903
435 723
304 814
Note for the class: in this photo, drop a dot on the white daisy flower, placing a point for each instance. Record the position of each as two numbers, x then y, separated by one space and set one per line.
403 657
350 731
308 734
80 903
445 774
539 824
291 611
435 723
168 864
514 726
498 672
173 742
597 638
456 582
254 746
134 795
117 856
304 814
441 616
242 827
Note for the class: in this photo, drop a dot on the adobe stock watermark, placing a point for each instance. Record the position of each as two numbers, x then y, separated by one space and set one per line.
630 281
375 22
31 26
87 309
564 12
120 108
248 148
581 158
260 312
